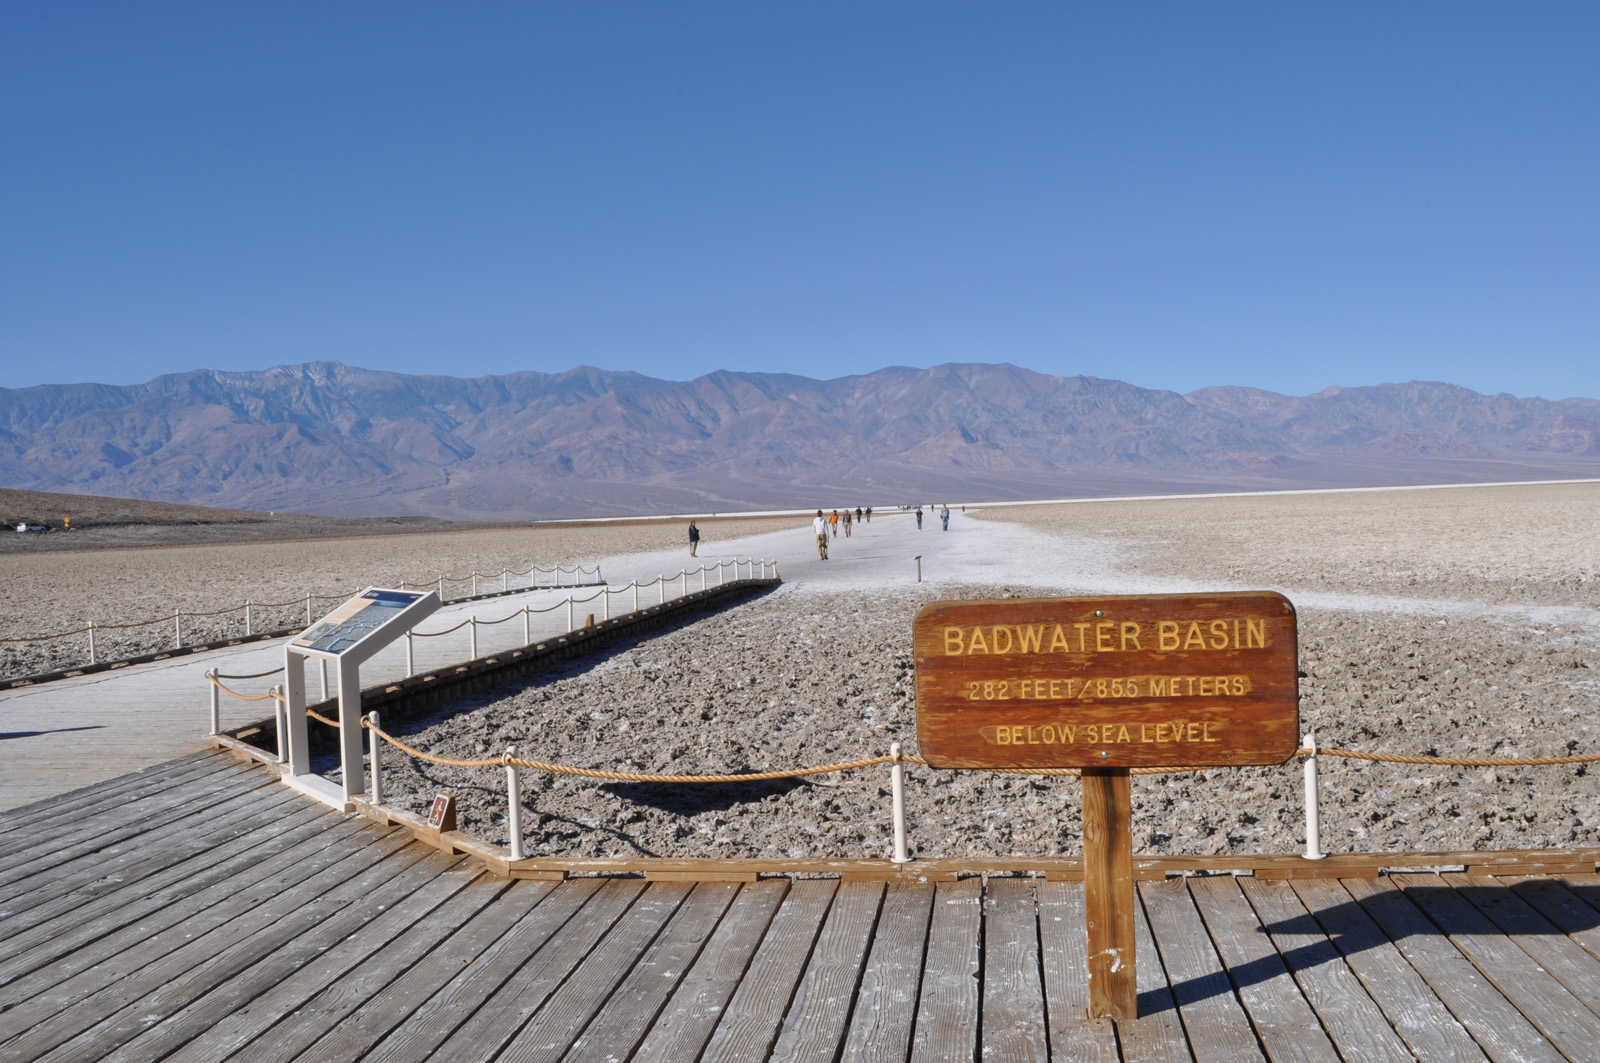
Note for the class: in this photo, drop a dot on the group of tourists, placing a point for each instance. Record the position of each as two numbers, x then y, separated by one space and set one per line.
827 525
944 516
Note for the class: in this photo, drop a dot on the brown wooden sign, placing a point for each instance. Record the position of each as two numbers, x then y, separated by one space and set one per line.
1131 681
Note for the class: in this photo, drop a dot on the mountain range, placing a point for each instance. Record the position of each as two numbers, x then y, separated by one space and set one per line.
329 438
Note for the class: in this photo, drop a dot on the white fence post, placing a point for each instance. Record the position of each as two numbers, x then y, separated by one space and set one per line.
605 604
472 638
661 591
280 724
527 632
374 746
634 585
177 622
323 661
411 658
683 583
474 583
1313 818
569 614
702 577
897 789
216 701
441 589
504 584
249 621
513 803
308 609
91 643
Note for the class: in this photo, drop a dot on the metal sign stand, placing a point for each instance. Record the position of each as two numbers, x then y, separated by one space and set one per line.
348 636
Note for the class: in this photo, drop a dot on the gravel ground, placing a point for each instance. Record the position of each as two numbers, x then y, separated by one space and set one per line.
1462 622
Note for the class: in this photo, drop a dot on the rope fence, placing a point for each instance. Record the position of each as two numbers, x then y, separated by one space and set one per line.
512 764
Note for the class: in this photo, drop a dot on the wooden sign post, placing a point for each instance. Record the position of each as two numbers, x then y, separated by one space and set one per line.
1105 685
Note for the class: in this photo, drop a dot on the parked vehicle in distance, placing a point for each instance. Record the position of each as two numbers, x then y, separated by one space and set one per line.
31 526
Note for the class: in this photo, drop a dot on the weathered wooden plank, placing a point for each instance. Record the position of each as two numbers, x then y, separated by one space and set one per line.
111 931
1548 1004
947 1013
814 1028
886 1002
1065 952
1013 988
553 1028
1411 1007
1218 1028
755 1012
1500 1029
1548 946
1553 900
110 793
1157 1034
349 1034
436 1014
1287 1026
1355 1023
375 979
171 843
99 833
250 1001
496 1016
148 993
1585 887
691 1016
247 813
629 1012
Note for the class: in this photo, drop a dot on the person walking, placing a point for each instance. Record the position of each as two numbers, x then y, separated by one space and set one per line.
820 526
847 524
944 517
858 514
919 518
833 523
869 514
694 539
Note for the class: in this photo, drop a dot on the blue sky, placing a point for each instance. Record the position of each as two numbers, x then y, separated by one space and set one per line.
1177 195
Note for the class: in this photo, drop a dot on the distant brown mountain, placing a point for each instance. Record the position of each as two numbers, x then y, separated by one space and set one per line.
335 439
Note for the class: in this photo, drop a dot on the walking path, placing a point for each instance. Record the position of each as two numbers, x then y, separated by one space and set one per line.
199 911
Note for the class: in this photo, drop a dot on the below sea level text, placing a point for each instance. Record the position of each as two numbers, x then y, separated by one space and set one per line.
1066 734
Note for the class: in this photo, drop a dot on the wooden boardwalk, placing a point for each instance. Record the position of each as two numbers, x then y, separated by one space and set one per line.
200 911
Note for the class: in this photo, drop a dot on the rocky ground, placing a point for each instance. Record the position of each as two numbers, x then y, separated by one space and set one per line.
794 679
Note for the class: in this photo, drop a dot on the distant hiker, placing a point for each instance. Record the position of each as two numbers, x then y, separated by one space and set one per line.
847 524
820 526
858 514
833 523
919 518
694 539
869 514
944 517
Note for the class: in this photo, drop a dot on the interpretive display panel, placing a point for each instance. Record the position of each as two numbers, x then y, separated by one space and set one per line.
1129 681
357 620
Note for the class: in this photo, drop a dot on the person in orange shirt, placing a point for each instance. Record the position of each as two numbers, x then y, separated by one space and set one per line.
833 523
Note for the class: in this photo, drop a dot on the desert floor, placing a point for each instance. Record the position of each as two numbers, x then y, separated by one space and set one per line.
1461 622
